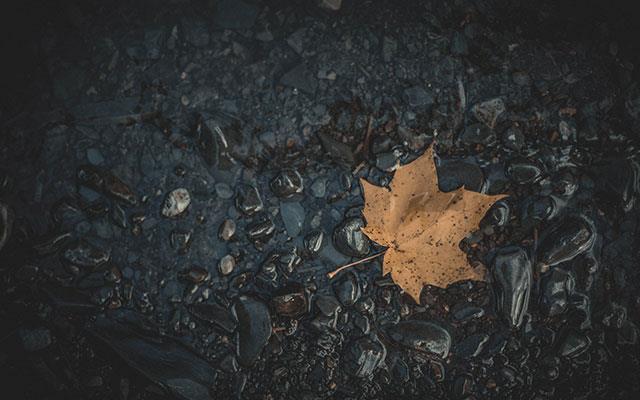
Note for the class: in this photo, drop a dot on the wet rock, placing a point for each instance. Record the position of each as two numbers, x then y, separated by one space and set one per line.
293 216
118 216
363 356
226 265
195 275
471 346
570 237
35 339
180 240
313 241
254 328
497 215
349 239
488 112
94 156
176 203
287 183
523 171
106 183
574 344
539 208
214 314
227 230
347 289
557 289
455 174
422 336
512 277
248 200
6 224
85 254
261 229
290 301
565 183
119 190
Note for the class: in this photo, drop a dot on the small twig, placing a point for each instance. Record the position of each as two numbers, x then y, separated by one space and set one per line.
333 273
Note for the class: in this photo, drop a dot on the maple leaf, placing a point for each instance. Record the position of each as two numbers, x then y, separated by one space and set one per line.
422 226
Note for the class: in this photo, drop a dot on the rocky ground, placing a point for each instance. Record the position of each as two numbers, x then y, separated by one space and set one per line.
178 178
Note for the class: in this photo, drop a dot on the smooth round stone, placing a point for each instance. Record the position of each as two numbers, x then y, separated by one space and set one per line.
224 191
227 264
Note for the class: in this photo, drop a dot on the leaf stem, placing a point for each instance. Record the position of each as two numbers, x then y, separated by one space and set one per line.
333 273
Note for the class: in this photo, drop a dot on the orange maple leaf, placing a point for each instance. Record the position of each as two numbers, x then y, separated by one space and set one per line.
422 226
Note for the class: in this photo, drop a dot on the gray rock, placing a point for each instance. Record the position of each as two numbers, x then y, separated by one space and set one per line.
293 216
227 230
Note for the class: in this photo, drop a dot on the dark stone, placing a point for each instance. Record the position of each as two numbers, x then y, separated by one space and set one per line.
349 239
512 276
254 329
422 336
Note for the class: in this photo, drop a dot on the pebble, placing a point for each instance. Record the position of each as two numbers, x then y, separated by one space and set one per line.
248 200
423 336
349 239
94 156
176 203
488 111
227 264
293 216
287 183
227 230
313 241
224 191
84 254
319 188
364 356
512 276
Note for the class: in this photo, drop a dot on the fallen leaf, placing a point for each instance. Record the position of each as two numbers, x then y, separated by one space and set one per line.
422 226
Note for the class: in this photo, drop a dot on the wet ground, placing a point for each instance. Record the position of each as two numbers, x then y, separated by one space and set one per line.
178 178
